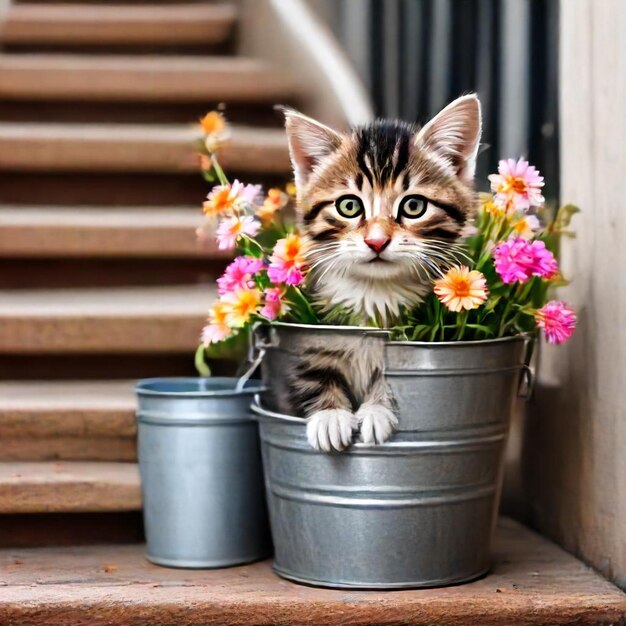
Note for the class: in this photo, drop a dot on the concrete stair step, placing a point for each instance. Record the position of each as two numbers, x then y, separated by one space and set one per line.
532 583
67 420
69 487
116 320
118 24
141 78
38 147
61 232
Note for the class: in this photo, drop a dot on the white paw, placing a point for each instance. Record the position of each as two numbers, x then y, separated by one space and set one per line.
377 422
331 429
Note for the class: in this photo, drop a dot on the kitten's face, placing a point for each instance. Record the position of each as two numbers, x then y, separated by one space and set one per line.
384 205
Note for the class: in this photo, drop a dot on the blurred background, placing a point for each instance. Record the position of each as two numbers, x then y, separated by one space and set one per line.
103 281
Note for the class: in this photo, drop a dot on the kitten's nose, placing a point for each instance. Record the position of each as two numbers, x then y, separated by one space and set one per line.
377 242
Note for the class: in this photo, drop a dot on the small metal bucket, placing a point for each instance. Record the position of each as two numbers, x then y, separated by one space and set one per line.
418 511
201 473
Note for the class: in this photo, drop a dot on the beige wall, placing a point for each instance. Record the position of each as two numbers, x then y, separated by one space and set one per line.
575 450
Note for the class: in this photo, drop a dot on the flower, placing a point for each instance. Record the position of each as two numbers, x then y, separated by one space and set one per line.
232 228
526 226
275 306
274 201
206 163
217 329
225 198
215 129
489 206
543 263
291 190
240 305
557 320
287 261
513 259
517 259
239 274
462 288
517 185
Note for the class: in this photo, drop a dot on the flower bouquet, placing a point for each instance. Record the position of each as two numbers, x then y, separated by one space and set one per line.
495 285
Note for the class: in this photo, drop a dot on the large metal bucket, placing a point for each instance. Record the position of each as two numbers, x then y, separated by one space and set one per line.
201 473
417 511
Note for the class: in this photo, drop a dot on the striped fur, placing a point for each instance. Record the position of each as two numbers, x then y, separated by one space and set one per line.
383 208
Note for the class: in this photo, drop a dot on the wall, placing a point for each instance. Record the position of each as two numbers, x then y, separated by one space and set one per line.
575 448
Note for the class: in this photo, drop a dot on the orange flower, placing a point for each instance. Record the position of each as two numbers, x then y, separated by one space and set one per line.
215 130
213 123
240 305
217 329
275 201
220 200
291 190
462 289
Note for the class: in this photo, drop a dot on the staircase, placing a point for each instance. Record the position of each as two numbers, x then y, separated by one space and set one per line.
103 280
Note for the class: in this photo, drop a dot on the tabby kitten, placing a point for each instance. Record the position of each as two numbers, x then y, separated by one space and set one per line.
382 208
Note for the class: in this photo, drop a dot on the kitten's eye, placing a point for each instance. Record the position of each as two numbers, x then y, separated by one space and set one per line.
349 206
412 207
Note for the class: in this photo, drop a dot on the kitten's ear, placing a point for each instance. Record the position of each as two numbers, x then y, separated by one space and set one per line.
454 134
309 142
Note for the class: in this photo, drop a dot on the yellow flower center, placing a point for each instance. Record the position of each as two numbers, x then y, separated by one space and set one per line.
516 185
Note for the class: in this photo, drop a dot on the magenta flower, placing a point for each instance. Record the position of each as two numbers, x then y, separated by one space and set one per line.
513 258
517 185
557 320
231 229
543 263
239 274
518 259
275 306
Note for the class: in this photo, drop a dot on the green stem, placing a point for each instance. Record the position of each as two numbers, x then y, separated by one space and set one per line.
201 365
461 322
218 170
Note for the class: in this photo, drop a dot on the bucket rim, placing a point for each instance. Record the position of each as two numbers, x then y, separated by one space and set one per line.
386 331
143 387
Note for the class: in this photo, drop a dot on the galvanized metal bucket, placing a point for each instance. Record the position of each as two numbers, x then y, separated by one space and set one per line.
201 473
418 511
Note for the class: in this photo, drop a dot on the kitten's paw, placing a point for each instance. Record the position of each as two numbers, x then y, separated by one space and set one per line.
331 429
377 422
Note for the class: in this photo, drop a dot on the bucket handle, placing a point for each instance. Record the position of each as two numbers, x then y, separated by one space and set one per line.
257 347
527 383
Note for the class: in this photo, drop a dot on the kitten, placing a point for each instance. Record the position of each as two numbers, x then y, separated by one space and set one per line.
382 208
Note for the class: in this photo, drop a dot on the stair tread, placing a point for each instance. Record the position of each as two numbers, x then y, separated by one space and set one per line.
33 146
114 24
38 409
533 582
32 231
141 77
66 487
104 320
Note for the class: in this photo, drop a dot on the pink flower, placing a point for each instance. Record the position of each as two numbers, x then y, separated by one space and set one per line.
557 321
232 228
287 261
518 259
239 274
543 263
517 185
513 259
275 306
